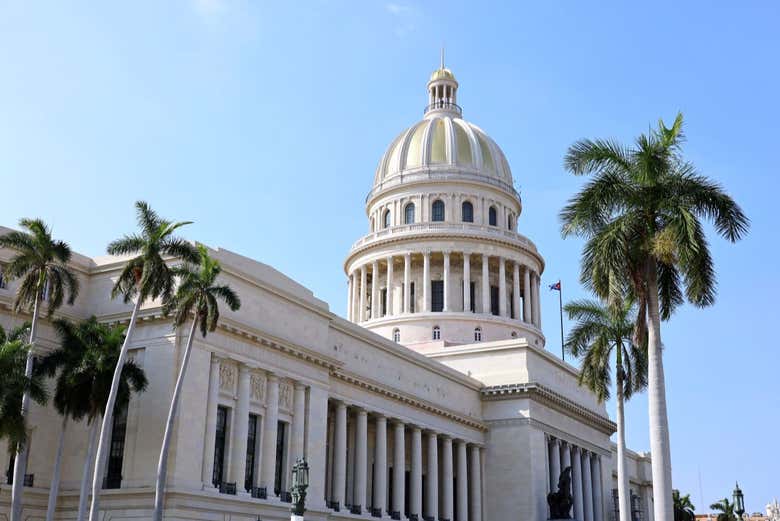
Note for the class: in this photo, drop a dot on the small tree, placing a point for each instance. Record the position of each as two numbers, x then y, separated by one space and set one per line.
725 509
683 508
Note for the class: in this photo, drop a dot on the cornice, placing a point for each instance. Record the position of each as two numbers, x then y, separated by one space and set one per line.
547 396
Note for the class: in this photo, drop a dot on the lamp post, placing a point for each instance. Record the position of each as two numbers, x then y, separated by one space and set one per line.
739 502
300 482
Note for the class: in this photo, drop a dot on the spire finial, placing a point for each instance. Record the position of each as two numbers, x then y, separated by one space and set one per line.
442 57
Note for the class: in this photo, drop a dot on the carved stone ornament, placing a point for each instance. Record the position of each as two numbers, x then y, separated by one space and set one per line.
227 376
286 395
257 386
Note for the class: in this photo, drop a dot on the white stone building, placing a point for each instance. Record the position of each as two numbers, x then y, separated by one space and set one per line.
435 398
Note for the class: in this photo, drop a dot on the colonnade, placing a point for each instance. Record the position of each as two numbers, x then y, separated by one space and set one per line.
364 301
586 477
446 485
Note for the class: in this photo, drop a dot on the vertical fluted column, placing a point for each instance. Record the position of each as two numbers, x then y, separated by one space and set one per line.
587 487
349 297
598 498
535 299
502 286
466 282
475 483
426 281
389 303
240 428
380 465
462 480
485 285
399 467
361 458
527 313
538 307
407 283
415 479
432 478
298 421
447 478
516 290
340 455
576 483
565 457
375 289
446 276
555 463
210 436
270 423
362 300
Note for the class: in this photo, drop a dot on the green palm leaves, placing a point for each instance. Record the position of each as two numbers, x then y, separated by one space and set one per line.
13 357
725 509
683 507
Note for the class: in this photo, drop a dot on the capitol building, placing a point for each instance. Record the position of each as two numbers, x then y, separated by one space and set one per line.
434 399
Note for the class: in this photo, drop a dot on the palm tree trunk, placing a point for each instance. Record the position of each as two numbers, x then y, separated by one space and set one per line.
54 489
162 466
663 506
623 500
108 418
20 463
88 459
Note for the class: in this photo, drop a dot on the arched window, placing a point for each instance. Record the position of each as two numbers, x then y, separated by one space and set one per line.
467 212
409 214
437 210
386 219
477 334
436 333
509 220
372 225
514 334
396 335
492 216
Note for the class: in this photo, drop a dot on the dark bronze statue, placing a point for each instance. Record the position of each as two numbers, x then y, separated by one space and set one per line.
560 502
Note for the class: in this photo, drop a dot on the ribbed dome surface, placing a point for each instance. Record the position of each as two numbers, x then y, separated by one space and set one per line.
444 142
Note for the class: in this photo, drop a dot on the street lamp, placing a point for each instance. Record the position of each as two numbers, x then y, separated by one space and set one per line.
739 502
300 482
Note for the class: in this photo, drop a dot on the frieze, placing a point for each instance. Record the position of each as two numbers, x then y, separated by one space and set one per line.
286 395
227 376
257 387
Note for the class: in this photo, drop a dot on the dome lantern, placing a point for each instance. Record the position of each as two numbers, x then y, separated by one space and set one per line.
442 91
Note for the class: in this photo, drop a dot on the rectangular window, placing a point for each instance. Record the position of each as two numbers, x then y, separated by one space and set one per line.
384 301
472 298
511 304
2 279
411 296
251 450
281 442
437 295
218 475
116 450
494 300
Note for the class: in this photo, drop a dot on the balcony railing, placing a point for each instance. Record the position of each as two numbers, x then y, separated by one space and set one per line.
443 105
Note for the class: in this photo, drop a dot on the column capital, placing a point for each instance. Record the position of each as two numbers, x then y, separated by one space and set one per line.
361 411
243 370
408 255
215 359
389 258
299 386
271 377
446 253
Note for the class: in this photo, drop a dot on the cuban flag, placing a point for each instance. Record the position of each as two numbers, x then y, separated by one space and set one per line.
556 286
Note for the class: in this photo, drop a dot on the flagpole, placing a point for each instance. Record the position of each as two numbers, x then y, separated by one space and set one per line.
560 308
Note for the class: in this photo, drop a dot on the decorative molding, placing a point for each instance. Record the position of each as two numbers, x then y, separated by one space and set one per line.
286 395
257 387
227 376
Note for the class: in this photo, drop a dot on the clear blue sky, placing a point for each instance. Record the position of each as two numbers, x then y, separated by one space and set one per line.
264 124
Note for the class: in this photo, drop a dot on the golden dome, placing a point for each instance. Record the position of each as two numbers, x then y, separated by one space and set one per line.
442 74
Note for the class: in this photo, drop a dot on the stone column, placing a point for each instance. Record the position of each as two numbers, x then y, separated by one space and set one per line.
240 428
502 286
298 422
447 478
361 458
538 307
555 463
576 483
516 290
415 479
534 300
340 455
446 277
466 282
389 303
268 463
565 456
349 297
407 283
399 467
362 300
432 478
587 487
598 498
210 436
380 465
475 482
316 439
527 313
462 480
485 286
426 281
375 289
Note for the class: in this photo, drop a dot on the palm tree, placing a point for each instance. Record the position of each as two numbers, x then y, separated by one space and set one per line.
13 359
726 509
85 363
146 275
602 330
683 508
42 264
196 295
642 218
